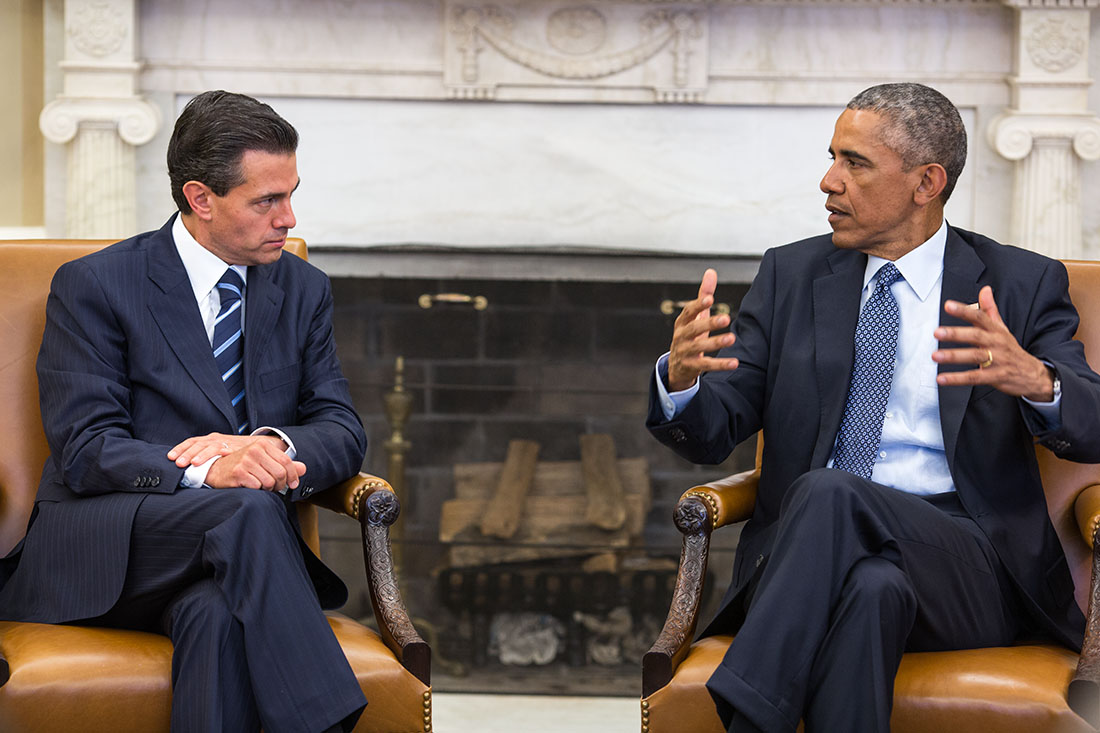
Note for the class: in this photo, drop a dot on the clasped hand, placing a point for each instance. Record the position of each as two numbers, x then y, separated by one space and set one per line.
246 461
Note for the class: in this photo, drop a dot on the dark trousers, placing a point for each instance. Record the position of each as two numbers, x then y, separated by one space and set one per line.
221 573
859 574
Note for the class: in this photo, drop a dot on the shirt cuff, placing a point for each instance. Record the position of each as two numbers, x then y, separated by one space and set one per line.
1050 412
194 477
290 449
672 403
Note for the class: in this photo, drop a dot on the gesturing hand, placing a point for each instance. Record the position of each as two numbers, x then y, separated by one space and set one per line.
1000 359
691 339
247 461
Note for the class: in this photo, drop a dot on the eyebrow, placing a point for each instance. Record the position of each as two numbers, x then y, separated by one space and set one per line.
280 194
852 155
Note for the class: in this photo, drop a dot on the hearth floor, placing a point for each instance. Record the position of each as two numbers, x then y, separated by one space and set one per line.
454 712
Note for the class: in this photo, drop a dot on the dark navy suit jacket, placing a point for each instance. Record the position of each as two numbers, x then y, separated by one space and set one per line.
795 335
126 372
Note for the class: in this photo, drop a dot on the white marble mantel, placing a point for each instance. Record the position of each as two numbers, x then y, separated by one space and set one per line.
680 127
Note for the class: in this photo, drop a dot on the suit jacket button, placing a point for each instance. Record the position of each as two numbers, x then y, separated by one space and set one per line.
307 491
156 481
759 560
137 482
678 435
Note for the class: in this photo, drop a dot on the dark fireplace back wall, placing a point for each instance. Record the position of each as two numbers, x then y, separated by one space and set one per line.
545 361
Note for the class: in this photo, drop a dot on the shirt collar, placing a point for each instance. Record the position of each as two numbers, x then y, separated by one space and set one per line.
921 267
204 268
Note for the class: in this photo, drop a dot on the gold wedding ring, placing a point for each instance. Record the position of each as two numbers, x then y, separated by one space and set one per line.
988 362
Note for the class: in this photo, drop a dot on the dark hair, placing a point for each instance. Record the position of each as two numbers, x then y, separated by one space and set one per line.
212 133
923 126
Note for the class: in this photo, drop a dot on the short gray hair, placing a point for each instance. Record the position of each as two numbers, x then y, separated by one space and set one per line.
922 126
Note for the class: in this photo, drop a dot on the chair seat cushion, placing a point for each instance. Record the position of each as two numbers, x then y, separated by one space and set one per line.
66 678
1019 689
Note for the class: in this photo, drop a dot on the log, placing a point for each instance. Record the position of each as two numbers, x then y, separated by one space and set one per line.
606 508
502 515
553 524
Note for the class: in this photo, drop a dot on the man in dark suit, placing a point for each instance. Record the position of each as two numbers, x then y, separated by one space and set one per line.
182 432
900 370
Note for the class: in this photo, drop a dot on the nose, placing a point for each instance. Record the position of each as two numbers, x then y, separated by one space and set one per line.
831 181
285 217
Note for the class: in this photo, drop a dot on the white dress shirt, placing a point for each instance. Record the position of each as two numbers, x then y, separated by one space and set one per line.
204 270
911 455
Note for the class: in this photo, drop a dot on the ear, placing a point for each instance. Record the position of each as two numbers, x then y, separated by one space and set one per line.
932 182
199 196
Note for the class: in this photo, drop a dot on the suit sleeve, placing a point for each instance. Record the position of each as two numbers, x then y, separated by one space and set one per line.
1051 328
85 393
728 407
327 433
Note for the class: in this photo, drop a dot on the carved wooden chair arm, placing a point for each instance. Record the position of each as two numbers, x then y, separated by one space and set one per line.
700 510
1084 688
371 500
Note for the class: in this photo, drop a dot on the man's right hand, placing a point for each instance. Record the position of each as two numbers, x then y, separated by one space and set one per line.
691 339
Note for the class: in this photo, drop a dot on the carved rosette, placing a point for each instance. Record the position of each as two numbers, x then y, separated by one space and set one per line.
96 29
1054 44
669 55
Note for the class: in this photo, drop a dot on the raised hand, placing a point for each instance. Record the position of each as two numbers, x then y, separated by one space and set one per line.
999 358
691 338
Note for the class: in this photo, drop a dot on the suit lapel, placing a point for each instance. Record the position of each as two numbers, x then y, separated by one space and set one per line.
263 303
961 270
172 304
836 310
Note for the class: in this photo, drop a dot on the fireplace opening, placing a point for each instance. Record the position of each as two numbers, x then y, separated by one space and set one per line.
536 548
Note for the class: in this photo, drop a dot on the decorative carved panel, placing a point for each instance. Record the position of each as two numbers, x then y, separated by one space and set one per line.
617 46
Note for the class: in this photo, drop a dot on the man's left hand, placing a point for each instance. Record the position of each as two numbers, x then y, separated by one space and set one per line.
999 359
200 449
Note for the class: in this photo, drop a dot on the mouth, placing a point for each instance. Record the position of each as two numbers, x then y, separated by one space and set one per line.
836 213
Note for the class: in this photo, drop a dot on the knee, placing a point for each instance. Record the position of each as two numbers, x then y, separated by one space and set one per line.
256 508
880 584
820 491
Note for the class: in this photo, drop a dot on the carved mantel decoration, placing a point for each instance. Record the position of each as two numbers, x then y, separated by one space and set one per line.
100 118
614 46
1048 128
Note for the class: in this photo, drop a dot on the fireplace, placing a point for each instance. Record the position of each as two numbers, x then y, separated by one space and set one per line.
545 361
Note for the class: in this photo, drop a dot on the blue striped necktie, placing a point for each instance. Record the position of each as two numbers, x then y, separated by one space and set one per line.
876 344
228 343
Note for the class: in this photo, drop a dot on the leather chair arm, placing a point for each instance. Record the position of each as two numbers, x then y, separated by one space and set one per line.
371 500
730 499
700 510
1084 689
1087 509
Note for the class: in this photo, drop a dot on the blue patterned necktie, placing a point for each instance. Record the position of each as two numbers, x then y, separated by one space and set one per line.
228 343
876 344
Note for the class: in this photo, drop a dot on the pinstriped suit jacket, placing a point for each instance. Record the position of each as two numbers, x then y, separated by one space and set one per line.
125 372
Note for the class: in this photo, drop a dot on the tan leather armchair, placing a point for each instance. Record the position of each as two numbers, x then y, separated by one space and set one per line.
1029 688
56 678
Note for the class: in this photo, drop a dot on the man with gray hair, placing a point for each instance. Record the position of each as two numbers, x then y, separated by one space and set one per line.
900 370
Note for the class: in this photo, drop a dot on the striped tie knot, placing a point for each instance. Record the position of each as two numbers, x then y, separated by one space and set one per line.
228 344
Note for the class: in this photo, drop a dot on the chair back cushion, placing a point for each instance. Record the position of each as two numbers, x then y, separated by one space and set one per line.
1064 480
26 270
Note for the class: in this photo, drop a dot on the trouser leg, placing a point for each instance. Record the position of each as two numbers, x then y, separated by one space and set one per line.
830 522
243 541
211 685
